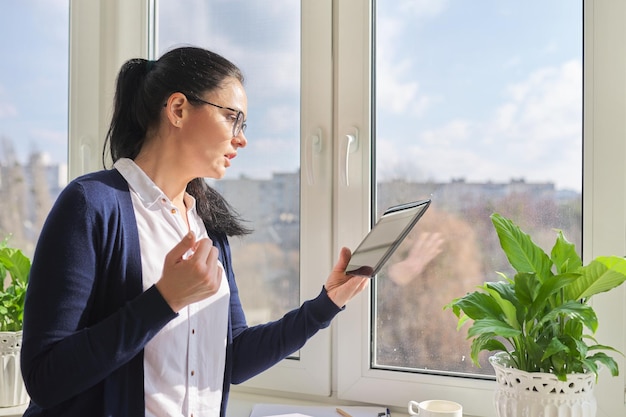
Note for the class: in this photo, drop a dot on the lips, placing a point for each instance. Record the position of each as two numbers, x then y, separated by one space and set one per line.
229 157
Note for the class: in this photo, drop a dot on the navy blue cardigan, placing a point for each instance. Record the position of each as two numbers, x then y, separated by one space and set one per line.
87 318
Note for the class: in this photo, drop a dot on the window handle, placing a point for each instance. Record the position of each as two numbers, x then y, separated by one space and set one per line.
312 148
350 146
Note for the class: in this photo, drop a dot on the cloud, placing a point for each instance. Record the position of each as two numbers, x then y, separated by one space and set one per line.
534 133
266 48
398 97
453 133
397 26
547 106
396 89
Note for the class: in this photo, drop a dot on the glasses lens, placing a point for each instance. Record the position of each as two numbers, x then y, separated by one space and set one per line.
239 125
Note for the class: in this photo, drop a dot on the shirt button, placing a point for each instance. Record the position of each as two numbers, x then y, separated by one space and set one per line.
193 331
173 211
193 373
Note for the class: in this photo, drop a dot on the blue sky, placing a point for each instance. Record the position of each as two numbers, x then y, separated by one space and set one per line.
33 76
482 90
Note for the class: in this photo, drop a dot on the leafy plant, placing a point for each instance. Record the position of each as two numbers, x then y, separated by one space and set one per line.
14 263
541 317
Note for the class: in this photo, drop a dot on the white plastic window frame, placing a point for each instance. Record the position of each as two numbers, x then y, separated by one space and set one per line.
105 33
604 196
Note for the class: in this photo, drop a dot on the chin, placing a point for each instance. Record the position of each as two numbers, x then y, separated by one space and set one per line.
217 175
215 172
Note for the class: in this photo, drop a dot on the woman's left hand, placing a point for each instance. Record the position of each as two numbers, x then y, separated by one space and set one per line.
342 287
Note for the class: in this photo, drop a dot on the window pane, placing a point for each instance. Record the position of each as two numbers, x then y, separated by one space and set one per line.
33 116
481 111
263 39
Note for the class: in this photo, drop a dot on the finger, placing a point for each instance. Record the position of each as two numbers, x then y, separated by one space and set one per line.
211 260
203 249
344 258
363 285
177 252
351 288
356 285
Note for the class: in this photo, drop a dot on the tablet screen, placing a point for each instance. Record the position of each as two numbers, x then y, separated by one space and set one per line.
386 235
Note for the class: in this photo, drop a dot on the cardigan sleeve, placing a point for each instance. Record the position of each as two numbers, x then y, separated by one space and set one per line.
85 314
257 348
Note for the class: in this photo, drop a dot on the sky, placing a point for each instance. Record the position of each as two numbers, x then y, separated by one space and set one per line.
485 90
33 76
495 93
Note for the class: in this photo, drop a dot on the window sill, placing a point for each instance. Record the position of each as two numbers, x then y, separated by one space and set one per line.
240 403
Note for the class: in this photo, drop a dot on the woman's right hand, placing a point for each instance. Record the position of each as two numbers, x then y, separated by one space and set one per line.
424 248
187 279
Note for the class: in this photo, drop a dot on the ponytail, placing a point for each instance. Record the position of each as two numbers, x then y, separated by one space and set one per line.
217 214
132 114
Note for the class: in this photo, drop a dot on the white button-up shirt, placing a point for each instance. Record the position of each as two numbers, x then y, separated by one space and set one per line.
184 362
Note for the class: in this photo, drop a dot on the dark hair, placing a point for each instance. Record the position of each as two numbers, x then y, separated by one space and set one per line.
142 88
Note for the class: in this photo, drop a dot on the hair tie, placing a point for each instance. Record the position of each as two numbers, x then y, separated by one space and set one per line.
149 65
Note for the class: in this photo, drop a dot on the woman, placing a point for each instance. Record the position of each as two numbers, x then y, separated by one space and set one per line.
132 307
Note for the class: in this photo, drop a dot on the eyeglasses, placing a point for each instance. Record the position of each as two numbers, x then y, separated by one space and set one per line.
238 126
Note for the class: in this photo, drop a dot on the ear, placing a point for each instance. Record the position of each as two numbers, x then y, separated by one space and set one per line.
174 108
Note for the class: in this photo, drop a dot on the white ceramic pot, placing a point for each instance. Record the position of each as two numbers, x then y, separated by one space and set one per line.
536 394
12 390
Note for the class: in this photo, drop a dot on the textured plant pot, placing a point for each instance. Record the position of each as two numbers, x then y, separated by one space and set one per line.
526 394
12 390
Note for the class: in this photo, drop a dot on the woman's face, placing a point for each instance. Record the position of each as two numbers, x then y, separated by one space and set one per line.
208 133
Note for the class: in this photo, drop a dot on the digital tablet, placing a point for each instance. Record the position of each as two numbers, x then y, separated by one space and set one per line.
385 237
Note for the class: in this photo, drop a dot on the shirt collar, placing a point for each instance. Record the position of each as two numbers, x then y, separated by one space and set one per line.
147 191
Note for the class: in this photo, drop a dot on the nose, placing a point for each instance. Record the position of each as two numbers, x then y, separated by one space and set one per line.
240 140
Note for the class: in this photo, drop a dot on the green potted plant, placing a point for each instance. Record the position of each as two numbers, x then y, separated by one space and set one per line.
540 323
14 273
